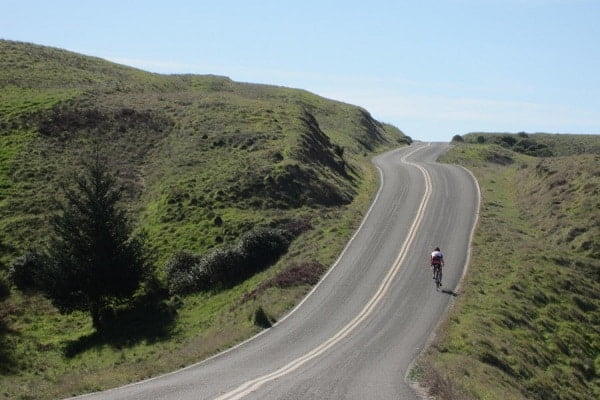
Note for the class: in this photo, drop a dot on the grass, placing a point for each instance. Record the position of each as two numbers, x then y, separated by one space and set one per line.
527 321
16 137
187 148
206 323
203 160
540 144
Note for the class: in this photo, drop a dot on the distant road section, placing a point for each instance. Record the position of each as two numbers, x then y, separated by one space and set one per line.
356 334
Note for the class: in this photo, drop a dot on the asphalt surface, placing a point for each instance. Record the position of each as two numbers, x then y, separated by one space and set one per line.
356 334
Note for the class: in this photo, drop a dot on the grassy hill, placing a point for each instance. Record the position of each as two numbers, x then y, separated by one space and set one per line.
526 324
203 160
184 145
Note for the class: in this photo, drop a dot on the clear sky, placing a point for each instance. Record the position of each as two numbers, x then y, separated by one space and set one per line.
432 68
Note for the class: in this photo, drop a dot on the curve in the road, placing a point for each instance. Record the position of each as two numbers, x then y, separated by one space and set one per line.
253 385
356 333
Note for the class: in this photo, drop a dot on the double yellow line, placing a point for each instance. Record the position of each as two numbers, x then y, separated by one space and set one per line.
254 384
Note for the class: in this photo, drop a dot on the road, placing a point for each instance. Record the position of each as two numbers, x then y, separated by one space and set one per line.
356 334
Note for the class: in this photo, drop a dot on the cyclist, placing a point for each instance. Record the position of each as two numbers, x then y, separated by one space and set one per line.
437 261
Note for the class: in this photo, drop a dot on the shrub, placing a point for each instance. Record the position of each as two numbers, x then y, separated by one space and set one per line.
261 247
405 140
25 271
261 318
223 266
185 273
458 138
507 141
532 148
182 261
179 272
256 250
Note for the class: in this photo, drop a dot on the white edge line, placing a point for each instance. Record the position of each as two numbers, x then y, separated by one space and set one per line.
381 184
458 286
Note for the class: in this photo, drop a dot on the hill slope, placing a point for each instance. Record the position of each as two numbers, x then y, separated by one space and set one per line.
203 160
527 322
184 145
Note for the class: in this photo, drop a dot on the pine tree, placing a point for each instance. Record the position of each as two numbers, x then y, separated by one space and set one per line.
93 261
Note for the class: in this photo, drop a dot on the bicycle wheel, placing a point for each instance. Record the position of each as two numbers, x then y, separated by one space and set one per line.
438 276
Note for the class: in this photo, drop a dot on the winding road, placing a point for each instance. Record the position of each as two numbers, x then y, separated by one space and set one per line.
355 335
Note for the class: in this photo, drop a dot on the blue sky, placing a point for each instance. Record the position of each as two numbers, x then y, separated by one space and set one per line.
432 68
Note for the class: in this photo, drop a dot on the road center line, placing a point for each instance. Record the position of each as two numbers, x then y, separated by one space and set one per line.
252 385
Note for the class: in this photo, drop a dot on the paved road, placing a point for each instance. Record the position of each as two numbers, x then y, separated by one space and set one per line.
355 336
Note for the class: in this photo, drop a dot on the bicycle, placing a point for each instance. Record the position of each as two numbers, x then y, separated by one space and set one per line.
437 275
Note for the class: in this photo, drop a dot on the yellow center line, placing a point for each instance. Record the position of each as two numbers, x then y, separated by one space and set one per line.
254 384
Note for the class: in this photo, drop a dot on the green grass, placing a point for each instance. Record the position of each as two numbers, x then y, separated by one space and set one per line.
202 160
17 104
544 144
185 147
205 324
527 321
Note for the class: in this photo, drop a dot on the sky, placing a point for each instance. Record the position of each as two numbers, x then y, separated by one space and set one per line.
434 69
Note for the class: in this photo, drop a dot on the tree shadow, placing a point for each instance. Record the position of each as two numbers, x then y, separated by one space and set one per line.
144 321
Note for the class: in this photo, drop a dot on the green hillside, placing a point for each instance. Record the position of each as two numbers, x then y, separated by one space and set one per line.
526 323
203 160
186 147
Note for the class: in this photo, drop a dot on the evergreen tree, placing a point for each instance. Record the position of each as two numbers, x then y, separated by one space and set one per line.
93 262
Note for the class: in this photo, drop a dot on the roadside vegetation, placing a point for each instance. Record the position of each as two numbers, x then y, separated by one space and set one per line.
526 323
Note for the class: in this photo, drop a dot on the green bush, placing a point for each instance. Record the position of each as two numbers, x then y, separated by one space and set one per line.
520 142
256 250
261 247
223 266
507 141
185 274
25 272
532 148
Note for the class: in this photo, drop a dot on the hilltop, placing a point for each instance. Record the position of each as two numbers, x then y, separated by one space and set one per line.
203 160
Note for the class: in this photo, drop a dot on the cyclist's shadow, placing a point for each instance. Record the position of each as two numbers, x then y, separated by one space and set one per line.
450 292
